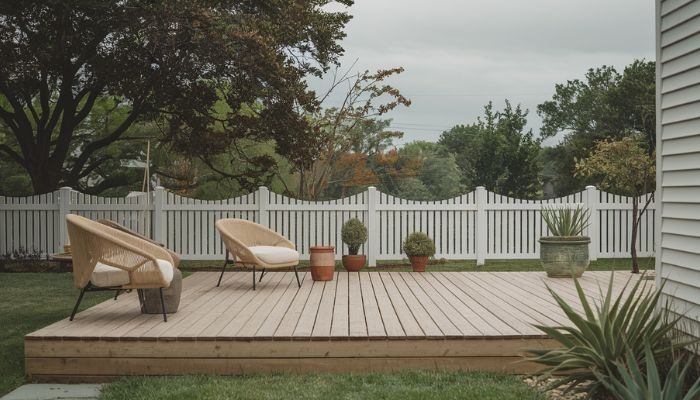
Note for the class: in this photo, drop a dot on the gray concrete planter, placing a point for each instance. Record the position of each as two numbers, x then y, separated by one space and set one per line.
564 256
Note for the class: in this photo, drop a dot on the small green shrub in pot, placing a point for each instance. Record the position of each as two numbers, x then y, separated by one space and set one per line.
354 235
419 247
565 252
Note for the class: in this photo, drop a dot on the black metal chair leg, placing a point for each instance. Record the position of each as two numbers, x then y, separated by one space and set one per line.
162 305
117 294
223 269
261 275
253 276
77 303
297 275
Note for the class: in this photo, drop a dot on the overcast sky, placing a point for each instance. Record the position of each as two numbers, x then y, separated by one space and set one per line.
459 55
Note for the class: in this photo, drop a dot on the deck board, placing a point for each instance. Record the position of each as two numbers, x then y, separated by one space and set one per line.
357 322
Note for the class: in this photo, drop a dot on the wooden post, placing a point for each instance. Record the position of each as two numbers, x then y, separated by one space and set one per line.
63 210
591 201
481 226
263 206
159 197
372 226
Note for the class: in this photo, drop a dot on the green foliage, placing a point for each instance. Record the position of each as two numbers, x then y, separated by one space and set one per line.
354 234
563 221
621 166
419 244
604 105
629 382
411 188
604 334
497 153
209 73
439 173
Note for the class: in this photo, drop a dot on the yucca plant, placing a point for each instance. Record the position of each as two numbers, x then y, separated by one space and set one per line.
562 221
634 383
602 335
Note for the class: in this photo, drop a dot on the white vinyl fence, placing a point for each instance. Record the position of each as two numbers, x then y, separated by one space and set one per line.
478 225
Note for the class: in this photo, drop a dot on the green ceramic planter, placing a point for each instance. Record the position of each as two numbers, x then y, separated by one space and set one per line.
564 256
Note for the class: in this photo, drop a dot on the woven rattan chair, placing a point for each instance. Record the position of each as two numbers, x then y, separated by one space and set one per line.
173 255
105 258
252 244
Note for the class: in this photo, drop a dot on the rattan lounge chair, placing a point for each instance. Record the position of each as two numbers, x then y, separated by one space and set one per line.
252 244
175 256
105 258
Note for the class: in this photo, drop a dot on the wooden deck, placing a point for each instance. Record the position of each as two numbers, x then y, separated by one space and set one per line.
368 321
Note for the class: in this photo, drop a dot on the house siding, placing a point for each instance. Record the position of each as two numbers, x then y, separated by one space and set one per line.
678 157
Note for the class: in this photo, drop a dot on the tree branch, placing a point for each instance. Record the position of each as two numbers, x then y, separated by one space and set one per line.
12 154
105 141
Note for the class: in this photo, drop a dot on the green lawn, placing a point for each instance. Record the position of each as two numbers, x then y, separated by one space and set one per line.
413 385
603 264
29 301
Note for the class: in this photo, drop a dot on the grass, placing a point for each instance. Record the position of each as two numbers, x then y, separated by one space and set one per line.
407 385
29 301
603 264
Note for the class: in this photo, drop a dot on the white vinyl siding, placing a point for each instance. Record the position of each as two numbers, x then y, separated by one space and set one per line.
678 157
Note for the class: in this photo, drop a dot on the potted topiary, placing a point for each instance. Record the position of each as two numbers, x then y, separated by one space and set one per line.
354 234
565 252
418 247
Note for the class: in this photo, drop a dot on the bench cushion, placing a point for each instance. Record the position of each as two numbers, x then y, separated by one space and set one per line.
275 254
106 276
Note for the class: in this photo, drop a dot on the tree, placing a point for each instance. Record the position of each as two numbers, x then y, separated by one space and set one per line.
438 171
623 167
352 127
169 61
497 152
605 105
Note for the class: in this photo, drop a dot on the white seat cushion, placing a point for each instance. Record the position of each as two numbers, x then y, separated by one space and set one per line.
167 269
105 276
275 254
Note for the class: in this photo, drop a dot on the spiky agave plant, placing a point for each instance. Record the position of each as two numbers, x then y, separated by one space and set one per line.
604 333
563 221
636 383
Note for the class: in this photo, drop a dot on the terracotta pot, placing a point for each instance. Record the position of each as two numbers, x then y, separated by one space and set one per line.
322 262
418 263
354 263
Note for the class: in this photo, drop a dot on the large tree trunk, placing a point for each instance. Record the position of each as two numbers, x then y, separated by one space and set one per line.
45 177
633 239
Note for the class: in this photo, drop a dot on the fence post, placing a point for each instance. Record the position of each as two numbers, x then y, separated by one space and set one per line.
481 230
263 205
159 215
593 230
372 226
63 210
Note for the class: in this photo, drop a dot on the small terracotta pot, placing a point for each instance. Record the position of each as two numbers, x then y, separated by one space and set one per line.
354 263
322 262
418 263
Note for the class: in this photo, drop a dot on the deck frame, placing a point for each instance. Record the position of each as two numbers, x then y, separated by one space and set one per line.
359 322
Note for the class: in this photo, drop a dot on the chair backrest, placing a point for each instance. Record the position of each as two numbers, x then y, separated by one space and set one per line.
92 242
249 233
175 256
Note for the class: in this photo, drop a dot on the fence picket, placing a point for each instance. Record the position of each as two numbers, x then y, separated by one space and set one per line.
478 225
